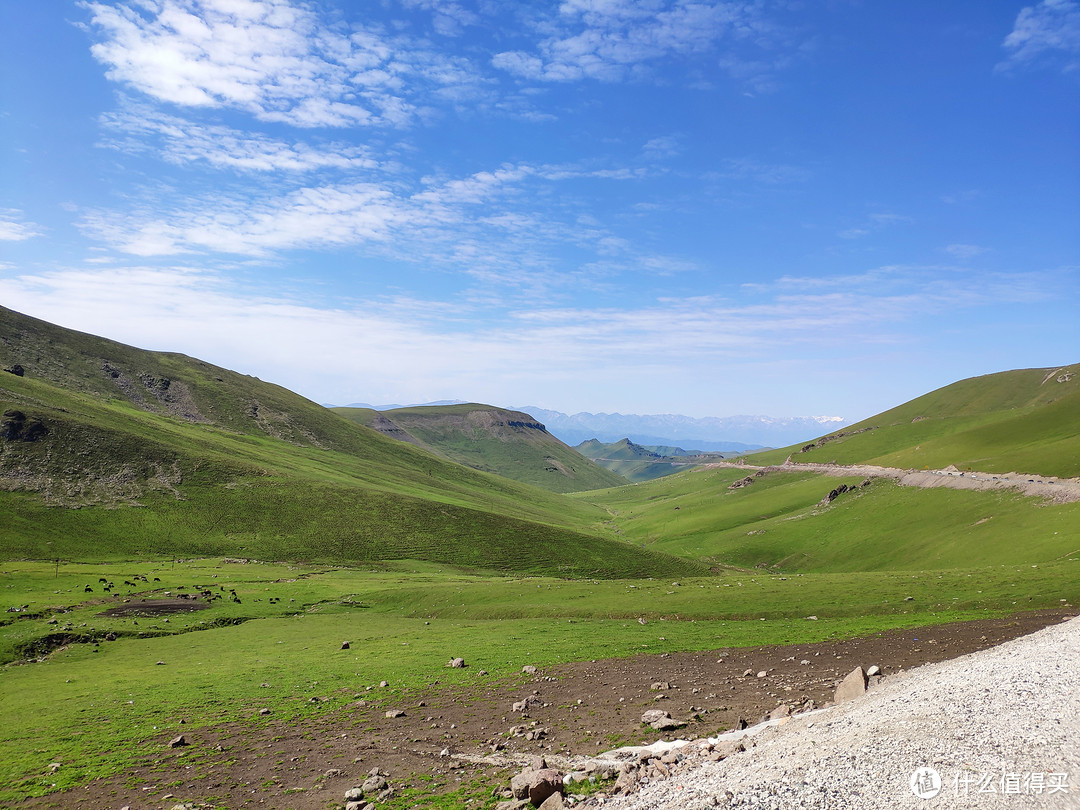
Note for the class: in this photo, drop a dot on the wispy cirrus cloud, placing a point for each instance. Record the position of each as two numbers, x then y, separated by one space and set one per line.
487 225
183 142
963 251
13 228
448 18
615 40
1048 32
415 348
874 222
274 59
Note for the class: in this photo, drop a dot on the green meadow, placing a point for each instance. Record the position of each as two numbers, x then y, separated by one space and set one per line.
779 523
156 475
96 705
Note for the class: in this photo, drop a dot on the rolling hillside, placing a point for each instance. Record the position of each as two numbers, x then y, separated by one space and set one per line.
507 443
634 462
152 453
1026 421
799 520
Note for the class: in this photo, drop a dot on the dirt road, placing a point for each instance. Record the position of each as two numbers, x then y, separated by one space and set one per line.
1058 490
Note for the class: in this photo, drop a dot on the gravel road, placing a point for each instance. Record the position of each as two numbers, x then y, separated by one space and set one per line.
1057 490
1000 728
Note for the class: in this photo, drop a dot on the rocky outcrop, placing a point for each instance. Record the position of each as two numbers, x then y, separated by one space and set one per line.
15 426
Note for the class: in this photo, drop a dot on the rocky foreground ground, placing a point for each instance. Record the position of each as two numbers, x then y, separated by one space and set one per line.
1014 707
994 729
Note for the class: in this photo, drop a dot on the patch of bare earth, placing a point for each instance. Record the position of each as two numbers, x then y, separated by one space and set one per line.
580 709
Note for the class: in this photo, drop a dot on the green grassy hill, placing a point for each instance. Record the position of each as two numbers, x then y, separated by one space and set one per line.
172 456
634 462
780 522
1025 421
507 443
1018 420
119 465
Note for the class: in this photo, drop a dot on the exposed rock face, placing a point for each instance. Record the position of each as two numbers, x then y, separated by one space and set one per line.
16 426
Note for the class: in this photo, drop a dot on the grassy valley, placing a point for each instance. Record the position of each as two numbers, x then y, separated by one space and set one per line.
495 440
277 529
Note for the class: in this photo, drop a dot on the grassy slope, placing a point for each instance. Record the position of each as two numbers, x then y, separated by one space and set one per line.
404 625
632 461
778 522
955 554
507 443
334 491
1024 421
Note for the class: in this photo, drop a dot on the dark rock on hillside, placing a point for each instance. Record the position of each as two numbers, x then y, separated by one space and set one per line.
16 426
16 369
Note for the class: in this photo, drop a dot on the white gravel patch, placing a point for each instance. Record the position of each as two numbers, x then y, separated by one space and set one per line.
1001 728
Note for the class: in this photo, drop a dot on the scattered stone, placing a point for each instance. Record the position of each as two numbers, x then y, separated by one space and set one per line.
667 724
344 645
264 711
383 684
178 742
374 784
627 781
874 670
523 706
553 802
529 669
330 774
762 674
659 685
392 713
783 710
456 663
851 687
811 618
354 794
652 715
55 766
543 784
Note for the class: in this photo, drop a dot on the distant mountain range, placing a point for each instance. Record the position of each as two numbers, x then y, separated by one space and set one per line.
711 434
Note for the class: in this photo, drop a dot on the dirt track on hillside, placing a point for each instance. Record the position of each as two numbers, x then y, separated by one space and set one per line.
584 709
1058 490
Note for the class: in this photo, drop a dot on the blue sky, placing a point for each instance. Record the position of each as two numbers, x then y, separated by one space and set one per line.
644 206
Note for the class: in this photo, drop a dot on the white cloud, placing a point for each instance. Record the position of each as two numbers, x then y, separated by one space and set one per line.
183 142
873 223
1048 31
415 349
500 227
13 229
276 60
961 251
323 216
611 40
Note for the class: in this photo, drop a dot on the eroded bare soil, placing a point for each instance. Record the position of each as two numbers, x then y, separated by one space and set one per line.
584 708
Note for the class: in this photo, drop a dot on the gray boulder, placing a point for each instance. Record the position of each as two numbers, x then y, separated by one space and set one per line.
851 687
